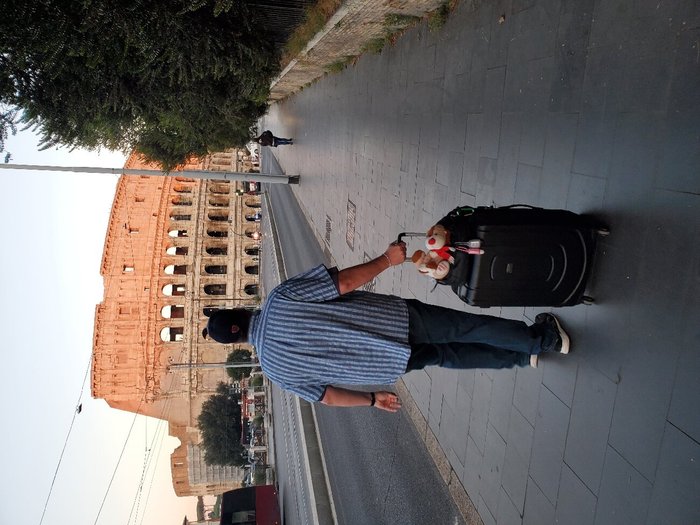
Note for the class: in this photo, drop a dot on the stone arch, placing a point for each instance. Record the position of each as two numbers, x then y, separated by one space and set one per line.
170 311
215 289
177 250
171 334
175 269
174 289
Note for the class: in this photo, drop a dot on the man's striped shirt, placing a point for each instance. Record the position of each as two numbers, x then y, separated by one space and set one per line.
308 336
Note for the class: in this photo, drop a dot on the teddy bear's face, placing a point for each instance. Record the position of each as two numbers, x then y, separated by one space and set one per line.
437 237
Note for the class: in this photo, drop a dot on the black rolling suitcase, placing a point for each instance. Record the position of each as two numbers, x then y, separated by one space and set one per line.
531 256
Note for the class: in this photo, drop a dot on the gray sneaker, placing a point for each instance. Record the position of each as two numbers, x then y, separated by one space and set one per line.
563 342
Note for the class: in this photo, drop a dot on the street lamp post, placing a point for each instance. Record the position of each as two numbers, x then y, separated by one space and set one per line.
182 366
193 174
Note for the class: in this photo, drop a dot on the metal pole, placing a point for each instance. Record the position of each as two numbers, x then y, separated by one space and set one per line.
193 174
178 366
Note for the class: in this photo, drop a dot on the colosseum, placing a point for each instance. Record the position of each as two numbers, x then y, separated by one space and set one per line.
176 250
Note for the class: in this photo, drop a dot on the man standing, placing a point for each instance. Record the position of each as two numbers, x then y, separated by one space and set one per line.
316 330
266 138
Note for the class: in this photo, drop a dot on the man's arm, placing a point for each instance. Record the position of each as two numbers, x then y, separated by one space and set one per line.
341 397
352 278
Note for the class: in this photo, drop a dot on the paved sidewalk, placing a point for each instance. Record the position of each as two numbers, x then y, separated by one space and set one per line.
587 105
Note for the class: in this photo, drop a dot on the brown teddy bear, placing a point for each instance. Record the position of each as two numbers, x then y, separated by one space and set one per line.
437 240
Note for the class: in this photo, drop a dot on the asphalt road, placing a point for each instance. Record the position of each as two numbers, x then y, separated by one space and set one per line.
379 470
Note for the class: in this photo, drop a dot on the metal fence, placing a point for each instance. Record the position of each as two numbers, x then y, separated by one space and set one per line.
279 18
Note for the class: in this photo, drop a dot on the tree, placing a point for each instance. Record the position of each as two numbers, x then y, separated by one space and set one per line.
220 425
171 79
238 356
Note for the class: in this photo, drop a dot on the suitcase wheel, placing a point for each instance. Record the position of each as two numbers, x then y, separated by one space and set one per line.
587 299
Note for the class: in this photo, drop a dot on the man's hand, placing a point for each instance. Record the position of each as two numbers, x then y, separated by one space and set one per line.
396 253
342 397
352 278
387 401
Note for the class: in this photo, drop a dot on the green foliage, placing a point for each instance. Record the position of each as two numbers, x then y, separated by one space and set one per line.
338 66
438 17
259 477
375 45
238 356
397 20
220 425
172 79
8 126
256 381
216 512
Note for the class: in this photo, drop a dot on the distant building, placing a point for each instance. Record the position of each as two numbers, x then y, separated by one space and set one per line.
176 250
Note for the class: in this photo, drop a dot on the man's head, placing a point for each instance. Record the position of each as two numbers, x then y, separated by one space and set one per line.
229 326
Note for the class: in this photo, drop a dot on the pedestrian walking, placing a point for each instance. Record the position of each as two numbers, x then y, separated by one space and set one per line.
317 330
266 138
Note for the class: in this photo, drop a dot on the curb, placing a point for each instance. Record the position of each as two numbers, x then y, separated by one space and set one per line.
459 495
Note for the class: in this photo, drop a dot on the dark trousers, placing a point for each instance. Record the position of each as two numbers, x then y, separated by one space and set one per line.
452 339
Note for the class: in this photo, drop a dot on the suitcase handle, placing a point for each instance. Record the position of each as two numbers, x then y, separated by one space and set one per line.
519 206
409 234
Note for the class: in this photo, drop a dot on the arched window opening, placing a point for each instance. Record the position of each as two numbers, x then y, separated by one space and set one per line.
173 312
177 233
255 217
219 189
177 250
218 202
252 250
180 188
217 250
214 269
180 216
174 289
183 179
252 269
251 289
208 310
172 334
175 269
215 289
252 204
218 217
181 201
253 234
217 233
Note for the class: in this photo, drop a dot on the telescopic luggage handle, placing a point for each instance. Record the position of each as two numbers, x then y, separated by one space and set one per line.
409 234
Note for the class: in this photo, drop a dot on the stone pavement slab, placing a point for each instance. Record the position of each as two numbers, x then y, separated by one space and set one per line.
588 105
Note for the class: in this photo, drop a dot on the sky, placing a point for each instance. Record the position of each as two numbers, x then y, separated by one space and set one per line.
115 468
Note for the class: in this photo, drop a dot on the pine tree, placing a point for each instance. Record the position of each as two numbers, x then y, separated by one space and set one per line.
172 79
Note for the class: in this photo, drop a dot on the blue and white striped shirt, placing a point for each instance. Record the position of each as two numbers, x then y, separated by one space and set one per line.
308 336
